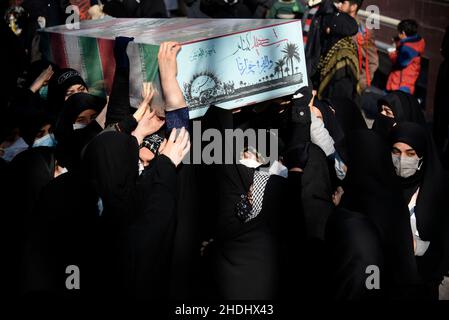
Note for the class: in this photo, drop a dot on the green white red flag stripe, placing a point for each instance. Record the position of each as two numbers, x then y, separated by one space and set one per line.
106 50
94 59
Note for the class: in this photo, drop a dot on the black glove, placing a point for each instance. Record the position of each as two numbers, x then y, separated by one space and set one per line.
300 108
306 93
300 117
297 157
299 127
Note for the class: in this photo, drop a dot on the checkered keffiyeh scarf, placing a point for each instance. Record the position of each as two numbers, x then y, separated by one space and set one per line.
250 205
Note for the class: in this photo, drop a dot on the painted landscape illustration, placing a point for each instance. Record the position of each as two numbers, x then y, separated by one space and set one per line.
257 65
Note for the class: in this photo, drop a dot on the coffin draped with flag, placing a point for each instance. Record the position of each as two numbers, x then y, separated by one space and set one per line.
229 62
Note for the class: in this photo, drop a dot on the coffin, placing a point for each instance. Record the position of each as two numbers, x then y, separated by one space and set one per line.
228 62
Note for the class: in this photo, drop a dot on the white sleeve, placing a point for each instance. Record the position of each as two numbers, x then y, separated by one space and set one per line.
320 136
421 245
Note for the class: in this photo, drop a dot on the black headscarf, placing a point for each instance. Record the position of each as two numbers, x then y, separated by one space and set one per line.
71 142
71 225
330 120
314 42
346 119
333 126
29 172
416 137
233 264
135 9
59 83
267 119
30 126
412 134
74 105
110 169
372 189
222 9
431 205
110 163
431 178
348 115
64 231
341 25
25 178
405 107
115 9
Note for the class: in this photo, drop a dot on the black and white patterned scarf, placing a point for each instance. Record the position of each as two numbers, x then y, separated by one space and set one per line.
250 205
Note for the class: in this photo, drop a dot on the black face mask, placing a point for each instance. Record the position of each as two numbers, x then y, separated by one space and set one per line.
383 125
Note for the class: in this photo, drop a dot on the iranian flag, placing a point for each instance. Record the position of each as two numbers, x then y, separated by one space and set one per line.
94 59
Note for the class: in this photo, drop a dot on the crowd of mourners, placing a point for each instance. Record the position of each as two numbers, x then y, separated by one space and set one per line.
100 184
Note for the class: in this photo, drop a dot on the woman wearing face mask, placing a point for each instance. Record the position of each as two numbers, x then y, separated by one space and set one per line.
37 130
45 137
425 187
30 111
99 218
63 84
175 115
340 118
34 130
371 227
396 107
243 259
326 132
324 113
76 126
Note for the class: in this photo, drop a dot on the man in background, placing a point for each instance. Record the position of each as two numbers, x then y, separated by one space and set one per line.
366 48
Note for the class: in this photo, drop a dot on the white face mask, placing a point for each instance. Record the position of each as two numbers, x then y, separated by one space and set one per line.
78 126
406 166
46 141
17 147
250 163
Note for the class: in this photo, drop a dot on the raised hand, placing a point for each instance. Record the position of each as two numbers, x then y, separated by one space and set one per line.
147 96
42 80
175 148
149 124
168 70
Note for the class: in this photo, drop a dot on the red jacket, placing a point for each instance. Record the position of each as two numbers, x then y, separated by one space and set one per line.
406 64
